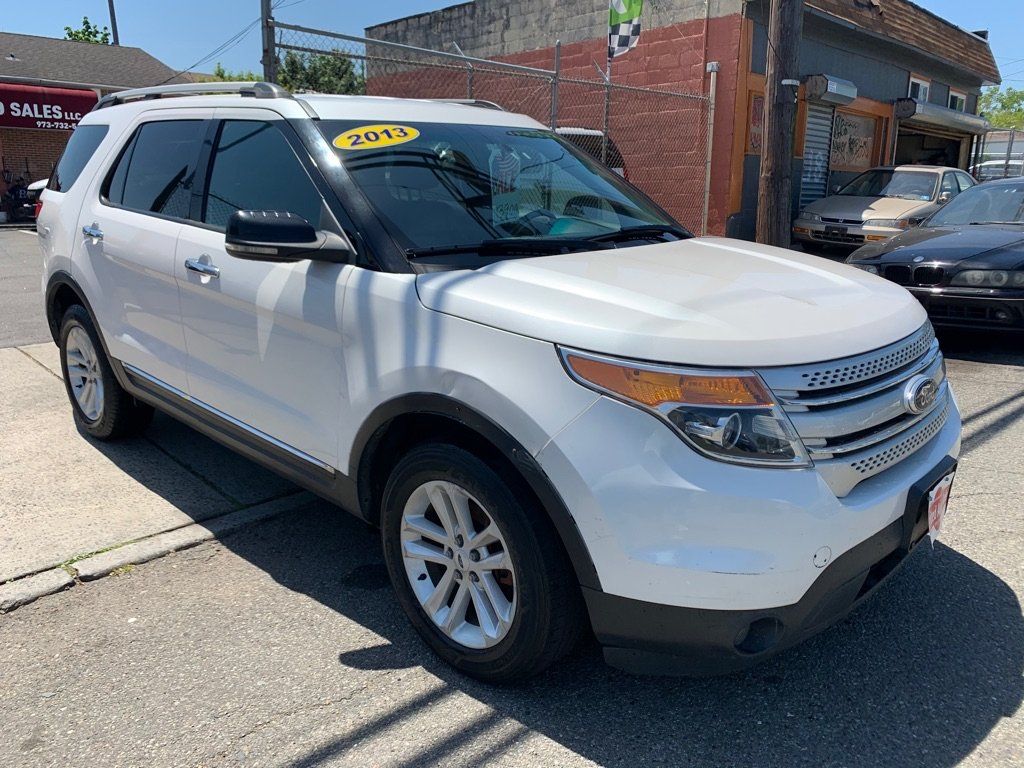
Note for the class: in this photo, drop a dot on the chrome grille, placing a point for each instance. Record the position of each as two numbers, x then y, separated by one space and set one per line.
850 412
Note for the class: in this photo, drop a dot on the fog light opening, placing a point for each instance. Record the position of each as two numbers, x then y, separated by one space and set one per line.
759 636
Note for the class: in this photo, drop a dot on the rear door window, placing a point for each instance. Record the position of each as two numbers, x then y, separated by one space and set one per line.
156 170
253 167
79 150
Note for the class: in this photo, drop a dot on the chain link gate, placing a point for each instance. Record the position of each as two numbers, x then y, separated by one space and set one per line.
999 154
661 135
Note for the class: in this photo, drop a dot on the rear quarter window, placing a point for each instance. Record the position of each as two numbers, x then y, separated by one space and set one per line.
80 148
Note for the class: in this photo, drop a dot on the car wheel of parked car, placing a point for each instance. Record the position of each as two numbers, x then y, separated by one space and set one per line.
102 408
477 566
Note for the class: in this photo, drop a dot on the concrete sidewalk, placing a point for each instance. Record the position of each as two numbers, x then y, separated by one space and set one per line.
66 497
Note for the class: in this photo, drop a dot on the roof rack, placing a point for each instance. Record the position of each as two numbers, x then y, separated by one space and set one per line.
473 103
253 90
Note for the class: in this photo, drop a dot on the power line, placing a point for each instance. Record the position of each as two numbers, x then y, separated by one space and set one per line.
227 45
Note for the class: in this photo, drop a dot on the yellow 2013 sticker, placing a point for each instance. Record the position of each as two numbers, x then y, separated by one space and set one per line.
375 136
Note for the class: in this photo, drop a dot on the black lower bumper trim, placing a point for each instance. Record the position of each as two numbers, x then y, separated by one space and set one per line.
650 638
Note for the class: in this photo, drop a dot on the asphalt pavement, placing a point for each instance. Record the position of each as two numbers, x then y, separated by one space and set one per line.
21 305
281 644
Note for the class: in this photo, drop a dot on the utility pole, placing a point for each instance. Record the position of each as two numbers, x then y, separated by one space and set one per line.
775 188
269 58
113 23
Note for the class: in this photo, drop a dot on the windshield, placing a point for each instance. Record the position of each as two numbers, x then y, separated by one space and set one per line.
906 185
439 185
983 204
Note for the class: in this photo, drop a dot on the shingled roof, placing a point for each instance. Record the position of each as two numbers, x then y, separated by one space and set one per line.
53 61
911 24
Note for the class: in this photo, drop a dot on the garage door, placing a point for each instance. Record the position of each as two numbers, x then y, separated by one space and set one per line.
817 149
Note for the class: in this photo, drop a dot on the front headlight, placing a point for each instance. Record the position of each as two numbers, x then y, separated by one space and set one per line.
867 268
808 216
989 278
727 415
888 223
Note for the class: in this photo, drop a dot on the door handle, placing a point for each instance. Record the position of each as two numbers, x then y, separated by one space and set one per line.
207 270
93 230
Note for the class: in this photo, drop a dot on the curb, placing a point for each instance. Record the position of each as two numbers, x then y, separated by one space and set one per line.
30 588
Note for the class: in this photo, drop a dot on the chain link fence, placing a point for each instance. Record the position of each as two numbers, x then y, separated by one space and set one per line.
1000 154
656 138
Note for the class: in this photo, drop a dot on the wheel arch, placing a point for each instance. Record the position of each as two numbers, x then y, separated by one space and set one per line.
401 423
62 291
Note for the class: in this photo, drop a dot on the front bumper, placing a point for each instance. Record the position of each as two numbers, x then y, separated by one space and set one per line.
647 638
690 551
961 310
848 235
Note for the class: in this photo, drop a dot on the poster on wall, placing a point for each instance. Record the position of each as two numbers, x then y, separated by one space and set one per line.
755 127
853 142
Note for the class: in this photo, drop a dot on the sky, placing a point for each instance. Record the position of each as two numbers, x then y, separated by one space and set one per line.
183 32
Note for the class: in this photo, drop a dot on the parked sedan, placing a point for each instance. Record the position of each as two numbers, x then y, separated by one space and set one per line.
879 204
966 263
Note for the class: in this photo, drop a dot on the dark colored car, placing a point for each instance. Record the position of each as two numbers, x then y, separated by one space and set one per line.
965 263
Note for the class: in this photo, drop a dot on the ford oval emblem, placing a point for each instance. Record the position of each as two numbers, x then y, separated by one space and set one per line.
918 259
919 394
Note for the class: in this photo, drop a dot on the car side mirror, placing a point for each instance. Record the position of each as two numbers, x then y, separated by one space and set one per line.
281 236
835 189
945 197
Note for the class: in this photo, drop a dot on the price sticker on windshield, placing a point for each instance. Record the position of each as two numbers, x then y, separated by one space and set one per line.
375 136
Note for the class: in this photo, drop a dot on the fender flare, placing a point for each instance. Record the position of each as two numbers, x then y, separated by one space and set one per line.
428 403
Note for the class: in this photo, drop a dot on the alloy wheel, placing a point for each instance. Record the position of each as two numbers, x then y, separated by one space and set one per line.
458 564
84 375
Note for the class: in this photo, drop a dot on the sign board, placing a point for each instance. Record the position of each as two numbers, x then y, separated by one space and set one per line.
31 106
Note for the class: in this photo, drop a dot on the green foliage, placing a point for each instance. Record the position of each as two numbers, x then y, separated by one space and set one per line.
1004 108
88 33
244 76
320 72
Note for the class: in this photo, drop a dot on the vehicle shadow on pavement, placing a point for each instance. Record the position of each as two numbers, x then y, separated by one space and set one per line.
1002 347
918 676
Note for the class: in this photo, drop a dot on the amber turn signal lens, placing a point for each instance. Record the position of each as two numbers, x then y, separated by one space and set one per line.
654 388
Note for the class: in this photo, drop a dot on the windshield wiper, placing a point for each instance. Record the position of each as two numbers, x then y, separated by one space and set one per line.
640 232
512 246
1018 223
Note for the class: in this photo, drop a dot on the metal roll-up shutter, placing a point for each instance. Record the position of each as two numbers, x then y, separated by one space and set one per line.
817 151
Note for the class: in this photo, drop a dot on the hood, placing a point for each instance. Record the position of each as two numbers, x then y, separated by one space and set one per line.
856 208
705 301
991 246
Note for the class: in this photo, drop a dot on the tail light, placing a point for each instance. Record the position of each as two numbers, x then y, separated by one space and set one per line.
38 209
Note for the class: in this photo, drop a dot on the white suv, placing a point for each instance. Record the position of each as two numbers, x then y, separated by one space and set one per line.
560 408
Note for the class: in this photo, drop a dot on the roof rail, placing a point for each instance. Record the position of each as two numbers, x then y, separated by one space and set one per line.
252 90
473 103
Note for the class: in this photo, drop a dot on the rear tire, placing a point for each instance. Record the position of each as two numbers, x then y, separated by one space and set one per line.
102 409
502 610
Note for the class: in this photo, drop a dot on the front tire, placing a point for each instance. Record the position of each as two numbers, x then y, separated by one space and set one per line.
477 566
102 409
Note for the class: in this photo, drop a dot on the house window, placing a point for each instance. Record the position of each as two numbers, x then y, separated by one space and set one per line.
958 101
919 88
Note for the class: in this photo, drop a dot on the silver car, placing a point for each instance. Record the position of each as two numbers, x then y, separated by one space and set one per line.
879 204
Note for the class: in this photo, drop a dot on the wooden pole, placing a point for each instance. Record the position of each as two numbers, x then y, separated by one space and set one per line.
775 187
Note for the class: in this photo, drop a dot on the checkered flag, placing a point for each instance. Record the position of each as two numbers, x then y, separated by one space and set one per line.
623 26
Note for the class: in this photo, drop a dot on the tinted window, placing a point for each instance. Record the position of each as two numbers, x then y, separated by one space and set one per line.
254 168
156 170
80 148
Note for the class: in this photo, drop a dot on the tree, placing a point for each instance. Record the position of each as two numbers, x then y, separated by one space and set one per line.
1003 108
321 72
245 76
88 33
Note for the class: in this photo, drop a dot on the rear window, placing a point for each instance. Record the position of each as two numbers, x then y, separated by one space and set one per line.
155 171
81 146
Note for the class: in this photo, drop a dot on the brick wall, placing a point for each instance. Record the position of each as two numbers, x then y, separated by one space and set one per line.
489 28
30 153
662 138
